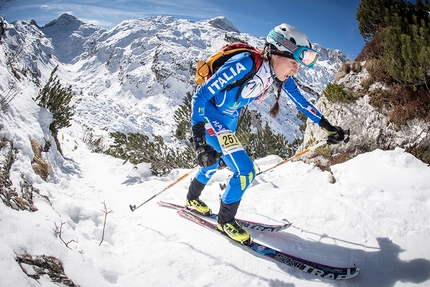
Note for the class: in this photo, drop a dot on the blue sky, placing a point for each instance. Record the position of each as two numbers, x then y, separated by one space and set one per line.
330 23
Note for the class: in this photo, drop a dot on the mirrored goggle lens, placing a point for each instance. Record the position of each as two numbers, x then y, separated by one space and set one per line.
308 57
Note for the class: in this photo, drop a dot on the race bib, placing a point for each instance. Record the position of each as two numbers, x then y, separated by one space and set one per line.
229 143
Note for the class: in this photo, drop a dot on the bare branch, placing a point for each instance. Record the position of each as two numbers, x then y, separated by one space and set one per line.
106 212
58 232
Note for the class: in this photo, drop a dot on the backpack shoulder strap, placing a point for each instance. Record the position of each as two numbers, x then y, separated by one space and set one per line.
257 61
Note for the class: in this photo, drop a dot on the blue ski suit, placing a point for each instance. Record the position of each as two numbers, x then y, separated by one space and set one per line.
219 109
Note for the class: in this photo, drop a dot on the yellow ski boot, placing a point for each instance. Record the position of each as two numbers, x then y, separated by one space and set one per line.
235 231
199 206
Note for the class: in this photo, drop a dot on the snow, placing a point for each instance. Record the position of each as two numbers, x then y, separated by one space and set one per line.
372 211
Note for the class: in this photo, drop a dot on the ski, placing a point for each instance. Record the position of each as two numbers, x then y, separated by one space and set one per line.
258 226
314 268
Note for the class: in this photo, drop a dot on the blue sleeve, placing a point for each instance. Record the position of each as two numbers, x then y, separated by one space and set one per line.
232 70
290 88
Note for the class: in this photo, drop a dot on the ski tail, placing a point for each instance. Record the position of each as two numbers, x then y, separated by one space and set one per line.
307 266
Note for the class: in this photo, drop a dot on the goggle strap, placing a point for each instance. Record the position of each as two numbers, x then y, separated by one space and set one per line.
283 54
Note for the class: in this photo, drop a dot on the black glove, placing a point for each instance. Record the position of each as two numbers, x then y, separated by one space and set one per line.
206 154
335 134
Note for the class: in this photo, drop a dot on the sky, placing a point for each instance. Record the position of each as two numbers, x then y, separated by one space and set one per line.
330 23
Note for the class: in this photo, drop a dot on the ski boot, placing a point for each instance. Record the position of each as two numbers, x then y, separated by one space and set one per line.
235 231
199 206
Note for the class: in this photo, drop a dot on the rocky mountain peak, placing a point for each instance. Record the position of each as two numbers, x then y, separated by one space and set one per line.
222 23
64 20
69 35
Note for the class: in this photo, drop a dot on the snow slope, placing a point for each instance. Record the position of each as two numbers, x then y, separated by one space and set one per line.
375 215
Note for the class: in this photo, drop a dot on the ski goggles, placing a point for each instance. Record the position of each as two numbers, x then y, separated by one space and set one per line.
305 56
302 54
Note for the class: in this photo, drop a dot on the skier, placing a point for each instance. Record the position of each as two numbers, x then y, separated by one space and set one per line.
216 110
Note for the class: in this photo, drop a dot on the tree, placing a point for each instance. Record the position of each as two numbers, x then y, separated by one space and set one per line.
137 148
399 50
407 51
370 16
182 118
265 142
56 99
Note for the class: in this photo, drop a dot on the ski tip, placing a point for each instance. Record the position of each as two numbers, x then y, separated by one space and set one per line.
132 207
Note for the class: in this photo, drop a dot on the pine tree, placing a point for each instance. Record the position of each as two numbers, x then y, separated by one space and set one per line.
243 131
265 142
182 118
137 148
56 99
407 49
370 16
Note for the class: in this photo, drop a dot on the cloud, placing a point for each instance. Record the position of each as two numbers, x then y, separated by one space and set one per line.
109 13
45 7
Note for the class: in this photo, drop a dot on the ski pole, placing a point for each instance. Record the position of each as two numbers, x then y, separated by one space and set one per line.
293 157
223 186
134 207
346 140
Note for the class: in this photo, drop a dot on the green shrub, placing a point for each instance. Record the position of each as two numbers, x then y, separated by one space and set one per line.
407 50
56 99
398 32
421 153
264 142
336 93
137 148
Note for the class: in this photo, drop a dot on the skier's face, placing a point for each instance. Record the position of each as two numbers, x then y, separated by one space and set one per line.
284 67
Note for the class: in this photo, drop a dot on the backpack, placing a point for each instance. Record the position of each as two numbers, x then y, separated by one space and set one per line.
205 69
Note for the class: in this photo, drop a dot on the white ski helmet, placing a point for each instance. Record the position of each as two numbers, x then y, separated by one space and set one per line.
292 43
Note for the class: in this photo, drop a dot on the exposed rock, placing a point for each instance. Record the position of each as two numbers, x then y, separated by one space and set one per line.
369 128
41 265
8 194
